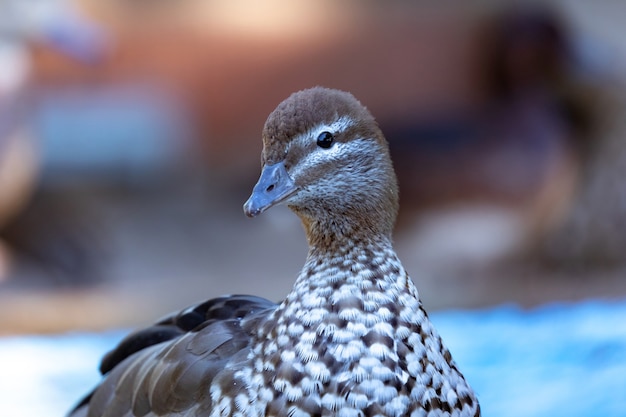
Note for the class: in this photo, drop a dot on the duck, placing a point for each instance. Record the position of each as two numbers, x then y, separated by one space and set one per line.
351 338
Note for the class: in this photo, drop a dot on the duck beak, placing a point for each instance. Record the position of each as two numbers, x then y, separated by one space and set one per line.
274 186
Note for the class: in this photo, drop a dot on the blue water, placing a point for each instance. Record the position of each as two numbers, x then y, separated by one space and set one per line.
557 360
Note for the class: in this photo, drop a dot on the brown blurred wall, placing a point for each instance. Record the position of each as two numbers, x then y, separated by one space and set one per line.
232 68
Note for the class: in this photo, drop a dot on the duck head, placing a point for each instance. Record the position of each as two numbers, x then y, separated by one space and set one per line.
326 159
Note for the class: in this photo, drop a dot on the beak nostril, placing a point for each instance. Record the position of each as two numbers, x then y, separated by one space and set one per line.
270 188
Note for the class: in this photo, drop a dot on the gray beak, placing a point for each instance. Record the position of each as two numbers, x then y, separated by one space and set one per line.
274 186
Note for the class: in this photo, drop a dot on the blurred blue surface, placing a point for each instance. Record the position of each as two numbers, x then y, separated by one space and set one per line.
110 132
556 360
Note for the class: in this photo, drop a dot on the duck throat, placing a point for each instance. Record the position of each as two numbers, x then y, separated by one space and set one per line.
337 233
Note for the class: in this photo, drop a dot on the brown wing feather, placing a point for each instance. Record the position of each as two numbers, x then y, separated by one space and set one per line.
168 367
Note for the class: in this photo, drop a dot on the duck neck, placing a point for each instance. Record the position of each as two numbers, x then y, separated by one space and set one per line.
331 235
366 273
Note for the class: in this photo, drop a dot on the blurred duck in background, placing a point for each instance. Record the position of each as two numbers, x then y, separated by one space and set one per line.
558 97
510 164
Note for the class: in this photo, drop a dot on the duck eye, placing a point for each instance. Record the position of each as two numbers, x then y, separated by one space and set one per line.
325 140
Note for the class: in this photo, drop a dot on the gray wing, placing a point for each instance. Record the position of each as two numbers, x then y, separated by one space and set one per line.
167 368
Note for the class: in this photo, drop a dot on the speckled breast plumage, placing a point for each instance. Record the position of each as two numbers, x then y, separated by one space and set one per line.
355 343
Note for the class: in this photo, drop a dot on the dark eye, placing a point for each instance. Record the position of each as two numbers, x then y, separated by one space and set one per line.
325 140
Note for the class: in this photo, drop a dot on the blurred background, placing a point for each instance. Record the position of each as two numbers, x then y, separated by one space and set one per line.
130 138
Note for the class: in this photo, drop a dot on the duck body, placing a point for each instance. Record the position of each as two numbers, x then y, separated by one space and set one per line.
357 342
350 339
